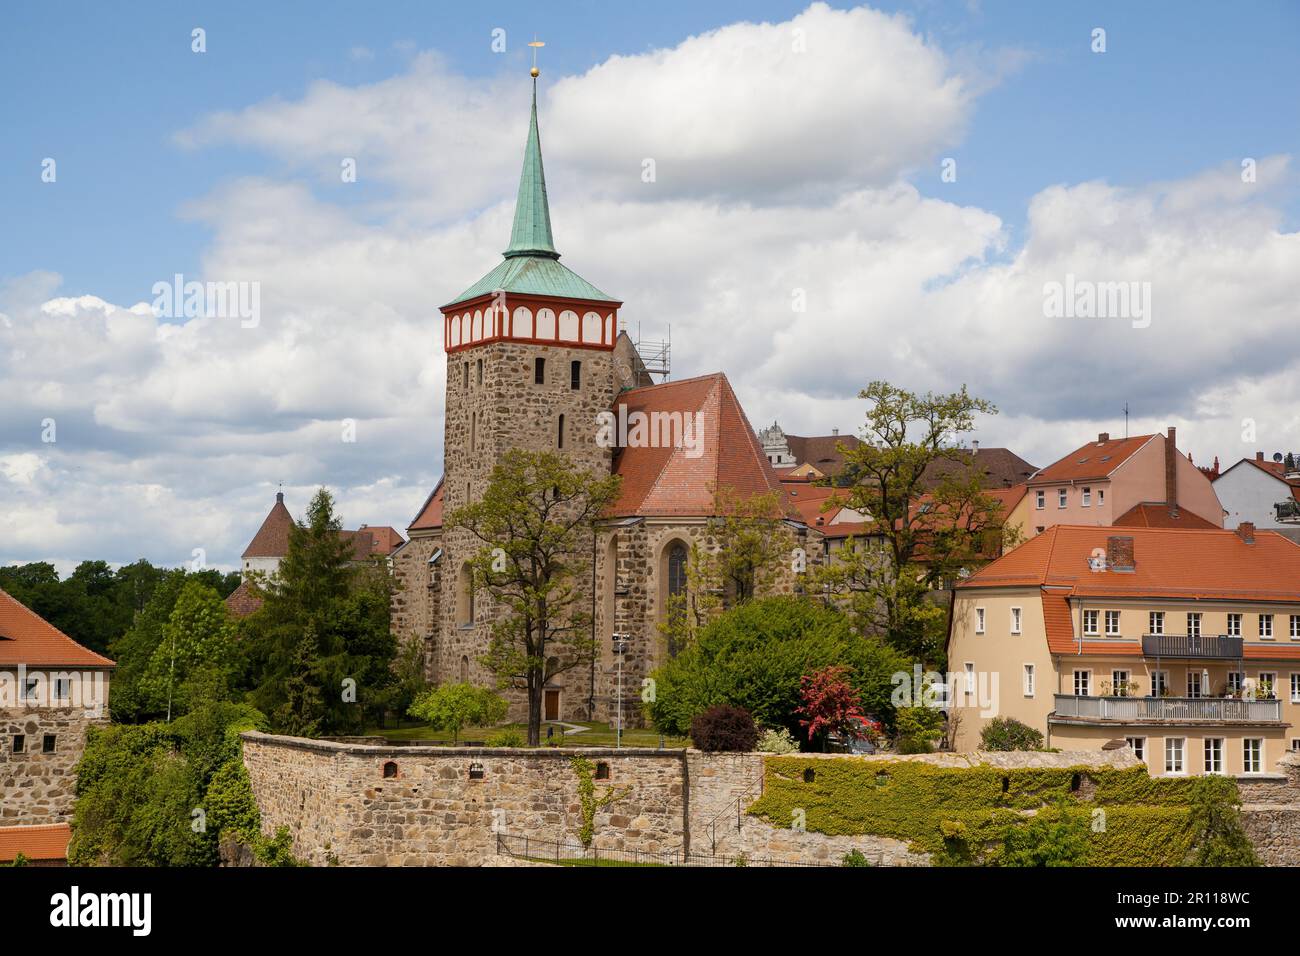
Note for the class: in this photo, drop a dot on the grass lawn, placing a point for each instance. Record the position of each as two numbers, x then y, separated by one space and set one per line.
596 735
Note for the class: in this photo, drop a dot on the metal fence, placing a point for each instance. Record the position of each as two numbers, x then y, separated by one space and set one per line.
562 853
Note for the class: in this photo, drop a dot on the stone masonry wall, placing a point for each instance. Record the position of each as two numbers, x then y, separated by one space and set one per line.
416 599
35 787
339 806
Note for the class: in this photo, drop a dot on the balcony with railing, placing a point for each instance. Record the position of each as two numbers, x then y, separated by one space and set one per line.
1172 709
1198 646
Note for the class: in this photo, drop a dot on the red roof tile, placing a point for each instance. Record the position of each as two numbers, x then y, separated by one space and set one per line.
242 602
272 539
665 480
27 638
1155 514
1097 459
37 843
430 516
373 542
1186 564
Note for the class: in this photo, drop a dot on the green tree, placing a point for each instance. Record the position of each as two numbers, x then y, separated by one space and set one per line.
746 545
197 653
320 645
926 530
134 649
456 706
535 523
755 656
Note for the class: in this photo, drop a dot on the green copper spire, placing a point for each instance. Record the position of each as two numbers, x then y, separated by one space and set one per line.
531 235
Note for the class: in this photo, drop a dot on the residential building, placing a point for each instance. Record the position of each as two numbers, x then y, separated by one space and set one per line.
1185 643
52 690
1141 481
812 457
1264 492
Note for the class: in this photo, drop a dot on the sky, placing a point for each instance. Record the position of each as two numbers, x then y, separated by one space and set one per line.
914 175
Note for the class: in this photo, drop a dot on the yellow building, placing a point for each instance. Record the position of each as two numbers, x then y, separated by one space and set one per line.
1184 643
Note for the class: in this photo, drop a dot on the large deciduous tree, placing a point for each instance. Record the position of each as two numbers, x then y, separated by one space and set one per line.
923 530
535 523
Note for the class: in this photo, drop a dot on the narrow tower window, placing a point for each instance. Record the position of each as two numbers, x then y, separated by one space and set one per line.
539 371
575 375
473 429
465 374
480 371
559 438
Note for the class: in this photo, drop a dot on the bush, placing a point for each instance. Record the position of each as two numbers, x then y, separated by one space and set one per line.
1216 818
1051 838
456 706
724 728
913 745
855 858
755 655
917 729
507 737
1007 733
777 740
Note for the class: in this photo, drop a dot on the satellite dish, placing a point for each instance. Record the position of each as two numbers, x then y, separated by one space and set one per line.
1277 456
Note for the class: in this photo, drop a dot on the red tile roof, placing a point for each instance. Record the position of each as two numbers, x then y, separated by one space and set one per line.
664 480
1095 460
430 516
820 451
37 843
1185 564
373 542
27 638
272 539
242 602
997 468
1155 514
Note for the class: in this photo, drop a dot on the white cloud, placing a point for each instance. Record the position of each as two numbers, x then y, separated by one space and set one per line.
174 435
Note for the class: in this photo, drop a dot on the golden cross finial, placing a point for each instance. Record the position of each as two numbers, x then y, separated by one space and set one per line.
535 44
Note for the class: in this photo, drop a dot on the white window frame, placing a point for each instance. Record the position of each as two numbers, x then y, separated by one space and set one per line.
1139 745
1112 616
1028 678
1295 744
1215 765
968 667
1040 499
1087 681
62 689
1194 675
1295 627
1155 622
1085 498
1159 682
1062 498
979 620
1295 687
1258 762
1101 497
1090 616
1271 678
1234 624
1266 627
1235 681
1179 751
1194 623
1017 619
1115 682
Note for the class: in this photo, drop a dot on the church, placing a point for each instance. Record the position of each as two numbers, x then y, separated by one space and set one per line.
536 360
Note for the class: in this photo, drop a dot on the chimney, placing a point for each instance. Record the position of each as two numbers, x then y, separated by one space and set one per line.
1171 472
975 447
1119 553
835 431
1259 456
1104 436
1246 531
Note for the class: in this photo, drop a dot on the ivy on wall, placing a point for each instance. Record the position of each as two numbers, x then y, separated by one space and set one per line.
963 814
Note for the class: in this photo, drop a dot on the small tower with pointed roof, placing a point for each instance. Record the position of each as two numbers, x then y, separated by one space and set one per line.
531 354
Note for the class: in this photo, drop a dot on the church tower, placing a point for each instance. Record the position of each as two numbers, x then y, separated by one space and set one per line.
530 364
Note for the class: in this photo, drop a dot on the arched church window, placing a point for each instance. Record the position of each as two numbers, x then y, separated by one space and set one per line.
465 596
675 592
464 669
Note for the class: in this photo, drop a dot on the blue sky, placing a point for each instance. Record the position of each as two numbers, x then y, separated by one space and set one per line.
102 88
813 171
